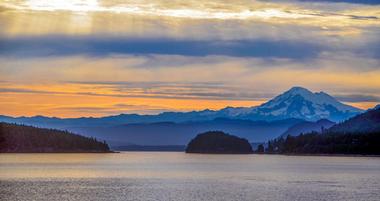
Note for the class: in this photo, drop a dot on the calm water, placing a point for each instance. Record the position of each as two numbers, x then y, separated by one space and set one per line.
179 176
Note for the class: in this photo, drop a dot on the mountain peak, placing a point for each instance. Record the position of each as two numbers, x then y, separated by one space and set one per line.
319 98
296 103
309 95
299 102
324 121
298 89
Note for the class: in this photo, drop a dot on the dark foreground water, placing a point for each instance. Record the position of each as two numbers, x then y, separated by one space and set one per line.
179 176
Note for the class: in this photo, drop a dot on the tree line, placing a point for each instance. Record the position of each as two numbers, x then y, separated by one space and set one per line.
22 138
326 143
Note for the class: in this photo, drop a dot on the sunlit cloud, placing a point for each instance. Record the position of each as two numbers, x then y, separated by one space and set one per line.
115 17
86 82
190 9
95 57
54 5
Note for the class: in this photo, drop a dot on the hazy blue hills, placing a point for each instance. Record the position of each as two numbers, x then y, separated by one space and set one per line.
366 122
25 139
171 133
307 127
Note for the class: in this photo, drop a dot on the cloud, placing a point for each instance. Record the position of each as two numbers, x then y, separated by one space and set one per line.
162 90
189 20
189 9
103 46
181 83
113 109
265 41
25 90
81 56
292 29
355 98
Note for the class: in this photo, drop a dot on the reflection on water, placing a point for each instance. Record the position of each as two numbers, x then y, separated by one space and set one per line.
179 176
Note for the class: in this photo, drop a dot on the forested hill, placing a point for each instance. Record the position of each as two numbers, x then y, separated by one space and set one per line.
27 139
366 122
358 135
218 142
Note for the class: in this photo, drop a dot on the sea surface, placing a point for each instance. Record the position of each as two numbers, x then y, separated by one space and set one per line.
179 176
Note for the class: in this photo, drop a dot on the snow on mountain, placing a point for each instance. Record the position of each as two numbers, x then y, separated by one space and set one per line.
236 111
316 99
298 103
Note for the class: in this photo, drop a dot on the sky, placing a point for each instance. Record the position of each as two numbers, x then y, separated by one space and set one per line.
77 58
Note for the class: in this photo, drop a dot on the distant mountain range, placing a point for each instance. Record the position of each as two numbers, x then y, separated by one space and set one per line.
171 133
297 102
307 127
257 124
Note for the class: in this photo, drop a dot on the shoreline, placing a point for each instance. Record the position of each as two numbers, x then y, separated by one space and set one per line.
116 151
330 155
68 152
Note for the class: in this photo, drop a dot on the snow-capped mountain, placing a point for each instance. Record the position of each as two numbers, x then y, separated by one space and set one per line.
297 103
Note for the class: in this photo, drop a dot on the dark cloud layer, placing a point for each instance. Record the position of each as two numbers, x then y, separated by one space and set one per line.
103 46
98 46
212 91
358 98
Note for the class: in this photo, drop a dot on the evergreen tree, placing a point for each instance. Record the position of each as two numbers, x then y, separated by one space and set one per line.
260 149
